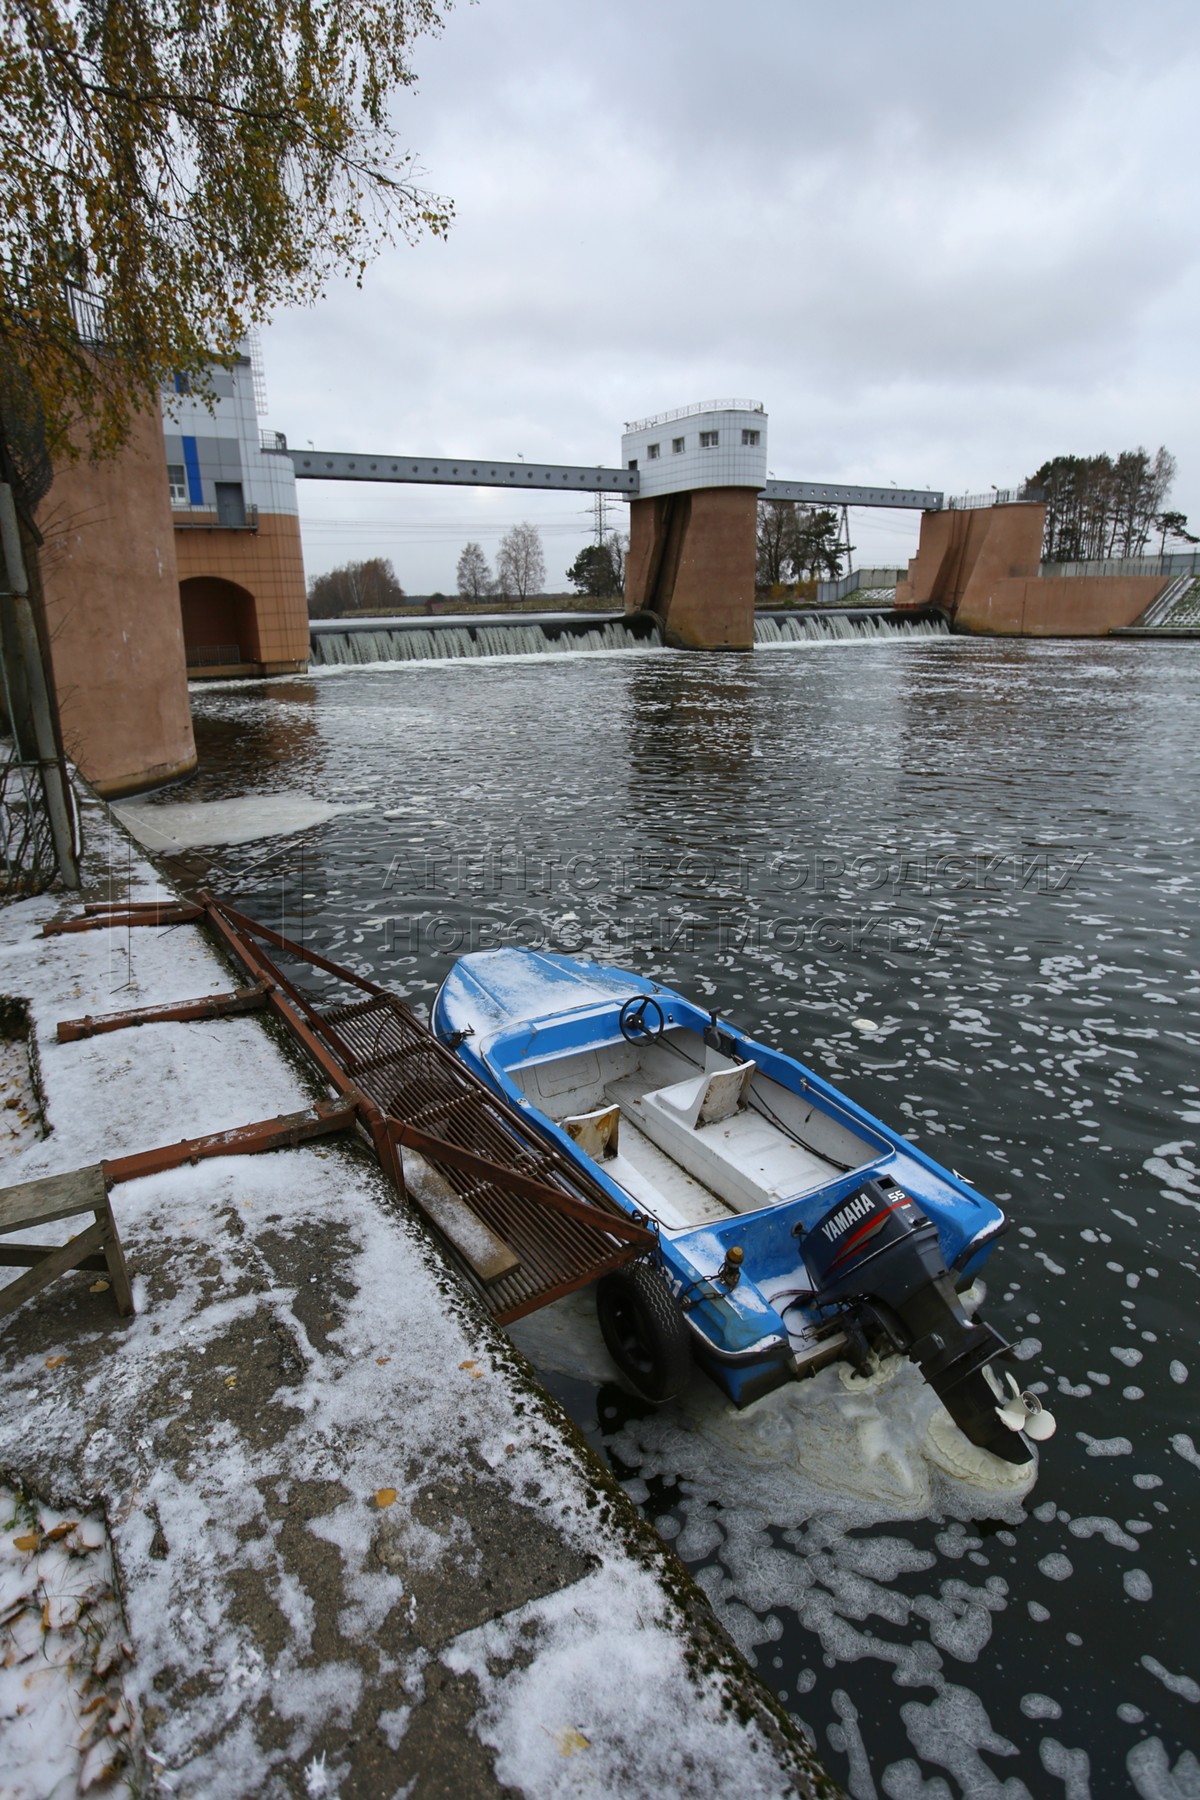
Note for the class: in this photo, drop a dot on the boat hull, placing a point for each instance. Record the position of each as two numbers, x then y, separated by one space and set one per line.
740 1157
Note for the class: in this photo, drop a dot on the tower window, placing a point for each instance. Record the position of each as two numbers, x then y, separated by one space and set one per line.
749 437
709 440
177 480
652 452
677 445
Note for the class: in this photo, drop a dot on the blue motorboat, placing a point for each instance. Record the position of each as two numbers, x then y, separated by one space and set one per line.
792 1227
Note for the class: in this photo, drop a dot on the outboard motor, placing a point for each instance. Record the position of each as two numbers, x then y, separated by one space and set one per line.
875 1258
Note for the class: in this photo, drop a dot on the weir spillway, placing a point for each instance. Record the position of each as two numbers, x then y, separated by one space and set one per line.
348 642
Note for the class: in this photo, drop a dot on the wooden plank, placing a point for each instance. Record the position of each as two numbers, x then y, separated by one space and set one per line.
169 913
118 1274
615 1224
208 1006
25 1256
57 1263
489 1256
53 1197
280 1133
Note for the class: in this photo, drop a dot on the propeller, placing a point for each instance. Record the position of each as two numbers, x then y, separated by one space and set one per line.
1021 1412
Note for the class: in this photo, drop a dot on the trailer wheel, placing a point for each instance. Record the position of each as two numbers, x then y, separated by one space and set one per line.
644 1331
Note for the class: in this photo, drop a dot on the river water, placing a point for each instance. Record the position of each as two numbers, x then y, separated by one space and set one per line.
960 877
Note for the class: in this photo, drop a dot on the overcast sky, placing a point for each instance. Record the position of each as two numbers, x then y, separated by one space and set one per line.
940 242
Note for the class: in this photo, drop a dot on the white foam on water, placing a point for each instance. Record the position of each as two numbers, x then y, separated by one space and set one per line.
168 827
1105 1528
951 1732
1183 1685
1072 1767
1150 1771
1114 1446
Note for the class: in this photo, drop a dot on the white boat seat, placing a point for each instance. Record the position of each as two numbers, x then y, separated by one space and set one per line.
596 1133
711 1098
744 1158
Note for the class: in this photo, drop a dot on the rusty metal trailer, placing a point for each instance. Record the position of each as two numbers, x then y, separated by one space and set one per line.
520 1222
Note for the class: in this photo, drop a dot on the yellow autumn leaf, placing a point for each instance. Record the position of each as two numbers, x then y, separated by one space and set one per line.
568 1741
59 1531
382 1359
231 1381
385 1497
55 1362
29 1541
469 1364
98 1287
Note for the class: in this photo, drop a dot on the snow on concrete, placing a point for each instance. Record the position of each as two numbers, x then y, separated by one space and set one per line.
288 1439
64 1721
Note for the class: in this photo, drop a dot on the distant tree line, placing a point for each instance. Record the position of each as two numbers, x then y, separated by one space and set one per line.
1102 506
356 587
798 543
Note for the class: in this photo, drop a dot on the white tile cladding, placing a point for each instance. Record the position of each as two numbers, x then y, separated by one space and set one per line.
718 443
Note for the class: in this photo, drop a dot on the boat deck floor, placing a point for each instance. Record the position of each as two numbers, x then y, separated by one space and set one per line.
659 1186
750 1162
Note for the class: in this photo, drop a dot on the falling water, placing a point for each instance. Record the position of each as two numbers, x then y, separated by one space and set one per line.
409 643
825 627
450 643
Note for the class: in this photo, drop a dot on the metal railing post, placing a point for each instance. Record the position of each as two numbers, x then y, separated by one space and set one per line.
37 694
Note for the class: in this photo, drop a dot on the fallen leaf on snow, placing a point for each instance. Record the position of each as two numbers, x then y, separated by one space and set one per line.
567 1740
29 1541
385 1497
54 1362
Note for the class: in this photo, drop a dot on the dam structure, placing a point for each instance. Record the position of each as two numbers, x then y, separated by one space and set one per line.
195 531
693 479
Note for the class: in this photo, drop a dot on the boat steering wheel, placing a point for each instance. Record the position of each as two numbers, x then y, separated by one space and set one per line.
636 1028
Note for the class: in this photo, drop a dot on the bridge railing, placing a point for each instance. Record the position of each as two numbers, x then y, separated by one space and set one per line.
1175 562
830 592
207 518
996 497
689 412
213 656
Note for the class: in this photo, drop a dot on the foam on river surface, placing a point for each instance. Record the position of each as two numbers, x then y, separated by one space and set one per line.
989 850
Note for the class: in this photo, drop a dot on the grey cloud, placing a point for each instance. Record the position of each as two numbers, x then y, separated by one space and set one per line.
939 241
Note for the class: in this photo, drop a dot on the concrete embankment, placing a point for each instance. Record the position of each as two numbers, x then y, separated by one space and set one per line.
357 1549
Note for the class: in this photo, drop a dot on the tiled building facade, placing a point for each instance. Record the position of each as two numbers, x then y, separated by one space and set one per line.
237 530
